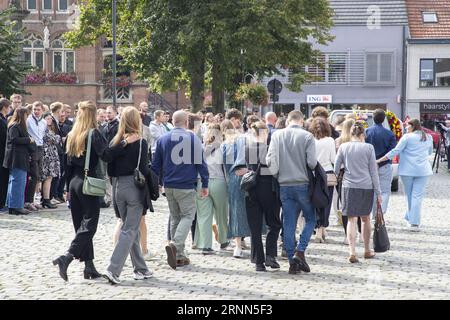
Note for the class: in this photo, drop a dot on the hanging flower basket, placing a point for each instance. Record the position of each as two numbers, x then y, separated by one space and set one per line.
121 82
395 124
254 92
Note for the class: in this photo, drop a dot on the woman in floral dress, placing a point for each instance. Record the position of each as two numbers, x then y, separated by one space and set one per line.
50 163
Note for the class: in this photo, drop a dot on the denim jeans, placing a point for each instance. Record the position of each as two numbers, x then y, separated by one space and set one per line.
385 175
294 199
414 191
16 189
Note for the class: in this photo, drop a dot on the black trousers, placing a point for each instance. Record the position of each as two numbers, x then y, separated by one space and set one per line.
261 203
85 213
34 173
4 178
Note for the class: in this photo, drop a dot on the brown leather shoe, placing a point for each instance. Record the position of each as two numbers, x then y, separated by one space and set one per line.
353 259
183 262
369 255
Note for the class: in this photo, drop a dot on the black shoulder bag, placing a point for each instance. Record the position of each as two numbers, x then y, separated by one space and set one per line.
248 181
139 178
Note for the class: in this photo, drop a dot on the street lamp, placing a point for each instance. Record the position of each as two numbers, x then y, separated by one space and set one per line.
113 78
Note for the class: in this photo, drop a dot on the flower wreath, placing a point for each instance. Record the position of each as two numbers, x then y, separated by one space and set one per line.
394 124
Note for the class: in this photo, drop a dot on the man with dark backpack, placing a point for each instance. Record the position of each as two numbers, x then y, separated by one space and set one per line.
291 155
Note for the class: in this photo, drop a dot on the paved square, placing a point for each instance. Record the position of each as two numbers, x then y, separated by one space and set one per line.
416 267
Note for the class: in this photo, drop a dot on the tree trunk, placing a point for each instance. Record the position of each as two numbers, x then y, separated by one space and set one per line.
197 77
218 93
217 87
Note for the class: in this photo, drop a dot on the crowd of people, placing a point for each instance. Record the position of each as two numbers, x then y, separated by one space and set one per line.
200 161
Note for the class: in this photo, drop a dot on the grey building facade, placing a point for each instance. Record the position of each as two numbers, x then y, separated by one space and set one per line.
362 68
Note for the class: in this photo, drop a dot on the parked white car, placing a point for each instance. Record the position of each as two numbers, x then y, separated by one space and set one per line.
368 115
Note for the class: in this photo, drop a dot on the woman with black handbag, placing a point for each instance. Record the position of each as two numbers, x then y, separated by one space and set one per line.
261 202
129 170
85 145
359 185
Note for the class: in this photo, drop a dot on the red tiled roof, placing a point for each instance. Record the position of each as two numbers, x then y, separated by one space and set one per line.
421 30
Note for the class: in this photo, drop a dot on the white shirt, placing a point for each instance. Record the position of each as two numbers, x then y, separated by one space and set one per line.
326 153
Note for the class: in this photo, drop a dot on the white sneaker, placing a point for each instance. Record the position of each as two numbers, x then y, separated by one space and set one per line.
237 253
142 276
113 279
150 256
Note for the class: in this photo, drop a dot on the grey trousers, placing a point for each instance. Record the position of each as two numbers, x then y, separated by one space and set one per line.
385 176
129 201
182 212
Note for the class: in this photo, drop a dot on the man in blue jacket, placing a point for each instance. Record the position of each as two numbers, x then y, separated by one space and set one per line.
383 141
179 159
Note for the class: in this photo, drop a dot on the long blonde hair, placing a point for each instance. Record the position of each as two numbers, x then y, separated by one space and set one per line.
86 119
130 123
346 134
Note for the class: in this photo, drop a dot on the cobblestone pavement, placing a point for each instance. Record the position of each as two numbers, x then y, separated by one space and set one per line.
416 267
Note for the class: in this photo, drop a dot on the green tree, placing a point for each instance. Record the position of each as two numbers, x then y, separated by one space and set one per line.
195 42
12 67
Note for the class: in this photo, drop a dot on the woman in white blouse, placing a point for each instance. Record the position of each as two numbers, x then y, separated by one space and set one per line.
326 155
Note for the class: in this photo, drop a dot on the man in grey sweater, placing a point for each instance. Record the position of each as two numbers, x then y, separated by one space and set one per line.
291 151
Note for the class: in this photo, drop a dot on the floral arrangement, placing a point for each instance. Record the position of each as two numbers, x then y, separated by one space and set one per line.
395 124
362 117
68 78
121 81
35 78
254 92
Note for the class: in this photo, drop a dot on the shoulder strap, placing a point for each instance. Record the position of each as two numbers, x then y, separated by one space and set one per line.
140 150
88 152
247 152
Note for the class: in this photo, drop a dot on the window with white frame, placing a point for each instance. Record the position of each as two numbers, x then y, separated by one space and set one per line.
34 51
63 5
63 58
379 68
330 68
32 5
47 5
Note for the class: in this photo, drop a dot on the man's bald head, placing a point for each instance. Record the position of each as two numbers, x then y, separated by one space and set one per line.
271 118
179 119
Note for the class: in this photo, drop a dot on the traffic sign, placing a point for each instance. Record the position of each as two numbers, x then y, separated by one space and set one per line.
276 99
274 86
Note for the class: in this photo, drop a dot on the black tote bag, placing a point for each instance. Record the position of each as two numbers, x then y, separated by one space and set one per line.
381 241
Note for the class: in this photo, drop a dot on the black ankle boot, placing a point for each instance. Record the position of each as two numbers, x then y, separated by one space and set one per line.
47 204
63 263
89 270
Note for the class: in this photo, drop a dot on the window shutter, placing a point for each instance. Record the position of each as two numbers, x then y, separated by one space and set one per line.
386 67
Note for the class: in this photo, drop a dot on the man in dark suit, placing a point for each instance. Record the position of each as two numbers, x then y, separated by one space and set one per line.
5 107
113 123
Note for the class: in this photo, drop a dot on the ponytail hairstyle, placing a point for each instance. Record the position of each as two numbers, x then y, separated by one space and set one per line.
357 129
415 124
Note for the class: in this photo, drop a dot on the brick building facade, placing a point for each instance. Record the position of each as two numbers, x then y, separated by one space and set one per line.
70 76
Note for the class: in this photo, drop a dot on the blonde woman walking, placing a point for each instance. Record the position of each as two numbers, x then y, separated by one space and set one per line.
216 203
128 197
359 184
85 209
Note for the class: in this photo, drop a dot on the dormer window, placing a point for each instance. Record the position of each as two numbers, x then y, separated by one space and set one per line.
429 17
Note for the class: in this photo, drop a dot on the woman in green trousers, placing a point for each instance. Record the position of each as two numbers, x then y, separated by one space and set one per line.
216 204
